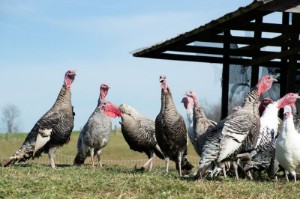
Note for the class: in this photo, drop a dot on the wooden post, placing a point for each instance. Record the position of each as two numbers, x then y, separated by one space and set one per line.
292 65
255 68
225 76
284 65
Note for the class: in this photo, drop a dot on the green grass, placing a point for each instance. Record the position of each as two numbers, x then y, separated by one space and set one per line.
117 180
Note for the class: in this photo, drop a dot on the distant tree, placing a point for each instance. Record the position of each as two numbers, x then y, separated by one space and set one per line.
10 113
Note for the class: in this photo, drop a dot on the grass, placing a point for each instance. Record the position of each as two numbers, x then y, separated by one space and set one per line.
114 180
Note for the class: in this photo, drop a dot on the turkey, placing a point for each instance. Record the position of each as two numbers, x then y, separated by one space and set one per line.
171 132
287 145
200 123
263 104
237 133
139 133
269 127
52 130
96 132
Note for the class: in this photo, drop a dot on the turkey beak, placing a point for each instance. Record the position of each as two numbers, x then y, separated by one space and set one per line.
297 96
274 79
276 76
162 79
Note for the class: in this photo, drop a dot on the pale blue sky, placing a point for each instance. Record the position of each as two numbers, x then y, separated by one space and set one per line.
41 39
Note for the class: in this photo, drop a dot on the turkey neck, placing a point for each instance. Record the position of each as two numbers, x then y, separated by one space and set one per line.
167 104
251 99
288 128
64 97
198 113
199 121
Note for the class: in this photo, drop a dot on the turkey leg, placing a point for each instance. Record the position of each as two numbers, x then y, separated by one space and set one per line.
99 158
51 155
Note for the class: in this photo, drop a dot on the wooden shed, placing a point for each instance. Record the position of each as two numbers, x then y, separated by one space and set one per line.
270 44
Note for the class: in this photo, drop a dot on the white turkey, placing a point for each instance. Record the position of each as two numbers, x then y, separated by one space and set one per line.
171 132
237 133
287 145
188 104
96 132
52 130
269 127
263 104
139 133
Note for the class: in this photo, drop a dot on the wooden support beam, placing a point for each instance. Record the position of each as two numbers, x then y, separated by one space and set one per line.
283 70
292 65
210 59
283 54
264 56
225 78
255 67
252 26
208 50
276 41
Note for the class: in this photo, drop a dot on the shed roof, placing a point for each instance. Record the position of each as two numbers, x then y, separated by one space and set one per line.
199 44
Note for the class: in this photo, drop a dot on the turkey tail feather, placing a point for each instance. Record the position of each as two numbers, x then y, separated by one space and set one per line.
8 162
79 159
158 152
202 171
186 166
20 155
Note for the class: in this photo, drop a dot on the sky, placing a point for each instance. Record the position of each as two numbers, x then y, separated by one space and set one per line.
41 39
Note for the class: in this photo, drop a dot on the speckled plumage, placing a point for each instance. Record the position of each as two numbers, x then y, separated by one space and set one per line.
139 132
95 135
58 122
171 132
200 125
96 132
237 133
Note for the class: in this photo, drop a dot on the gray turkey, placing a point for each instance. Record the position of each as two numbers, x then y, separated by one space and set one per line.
201 125
96 132
52 130
139 133
171 132
237 133
269 128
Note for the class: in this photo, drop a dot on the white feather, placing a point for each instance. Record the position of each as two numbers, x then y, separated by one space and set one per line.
287 145
268 122
42 138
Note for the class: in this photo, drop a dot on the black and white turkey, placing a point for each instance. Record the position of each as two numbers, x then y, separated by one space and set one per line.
139 133
171 132
96 132
237 133
52 130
